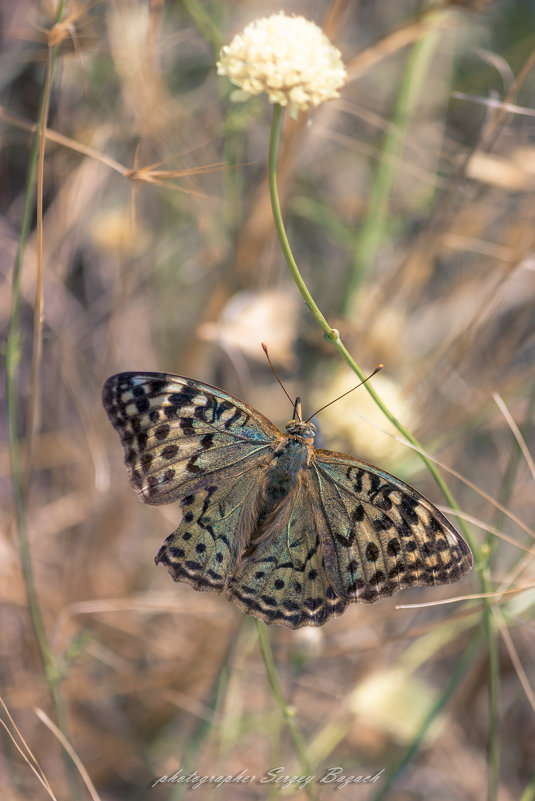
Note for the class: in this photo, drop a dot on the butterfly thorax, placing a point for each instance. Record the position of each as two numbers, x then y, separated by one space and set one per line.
292 457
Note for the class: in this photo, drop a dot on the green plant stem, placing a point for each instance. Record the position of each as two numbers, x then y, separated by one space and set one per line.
204 19
287 712
529 791
20 478
278 113
13 344
204 728
451 685
373 229
333 336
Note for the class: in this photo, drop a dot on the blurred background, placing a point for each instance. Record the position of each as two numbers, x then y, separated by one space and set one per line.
410 207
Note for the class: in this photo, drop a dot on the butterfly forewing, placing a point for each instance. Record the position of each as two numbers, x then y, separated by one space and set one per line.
176 432
291 534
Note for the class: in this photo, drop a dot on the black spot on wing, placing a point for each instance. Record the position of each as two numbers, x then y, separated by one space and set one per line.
372 552
162 432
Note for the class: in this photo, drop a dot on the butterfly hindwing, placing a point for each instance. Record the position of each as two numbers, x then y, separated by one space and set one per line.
284 580
385 535
211 537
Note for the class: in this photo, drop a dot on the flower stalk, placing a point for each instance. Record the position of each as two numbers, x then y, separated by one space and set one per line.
264 58
278 113
331 334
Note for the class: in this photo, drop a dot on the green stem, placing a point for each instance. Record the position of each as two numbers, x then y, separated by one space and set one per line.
197 738
453 682
278 113
12 362
20 482
529 792
374 228
332 335
287 712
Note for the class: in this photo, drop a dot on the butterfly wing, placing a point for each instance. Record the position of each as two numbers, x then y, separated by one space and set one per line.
383 535
285 580
214 530
190 442
180 435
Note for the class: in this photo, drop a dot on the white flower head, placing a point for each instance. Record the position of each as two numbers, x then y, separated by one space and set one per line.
289 58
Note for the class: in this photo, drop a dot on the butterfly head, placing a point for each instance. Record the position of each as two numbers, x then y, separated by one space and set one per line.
305 430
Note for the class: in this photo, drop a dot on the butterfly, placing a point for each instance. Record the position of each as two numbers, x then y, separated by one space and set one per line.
291 534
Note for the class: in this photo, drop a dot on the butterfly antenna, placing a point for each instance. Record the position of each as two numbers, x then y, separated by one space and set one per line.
377 370
264 348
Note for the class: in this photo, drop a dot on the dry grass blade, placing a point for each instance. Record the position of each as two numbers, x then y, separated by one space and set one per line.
516 433
41 714
24 750
515 659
